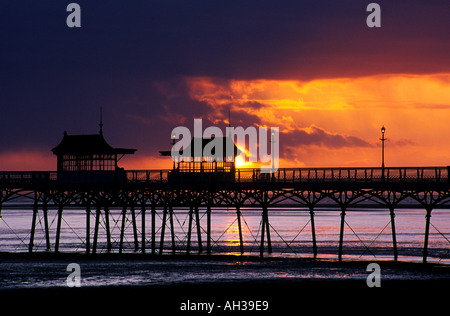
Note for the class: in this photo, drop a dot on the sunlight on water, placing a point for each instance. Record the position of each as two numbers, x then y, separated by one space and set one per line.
367 237
49 272
367 233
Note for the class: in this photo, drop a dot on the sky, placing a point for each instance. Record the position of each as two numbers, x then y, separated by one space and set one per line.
312 68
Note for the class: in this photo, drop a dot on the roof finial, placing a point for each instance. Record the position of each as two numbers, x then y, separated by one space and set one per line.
101 121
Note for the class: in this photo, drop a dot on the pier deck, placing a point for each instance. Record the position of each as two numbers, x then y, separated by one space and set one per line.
311 188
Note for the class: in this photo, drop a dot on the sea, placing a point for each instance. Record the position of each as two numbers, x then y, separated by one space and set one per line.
367 238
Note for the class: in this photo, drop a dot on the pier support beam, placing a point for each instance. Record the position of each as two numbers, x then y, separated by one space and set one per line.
153 229
241 240
122 229
58 227
46 226
172 229
135 233
313 230
188 247
394 236
199 230
143 228
33 225
163 230
341 233
108 230
208 229
88 229
265 231
269 242
427 232
263 227
97 224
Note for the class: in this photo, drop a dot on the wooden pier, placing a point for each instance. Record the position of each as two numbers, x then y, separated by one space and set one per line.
142 192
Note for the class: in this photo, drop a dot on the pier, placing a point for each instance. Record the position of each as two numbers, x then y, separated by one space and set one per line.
143 192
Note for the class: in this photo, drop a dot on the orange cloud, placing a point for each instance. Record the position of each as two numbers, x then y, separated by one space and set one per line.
326 122
318 117
27 161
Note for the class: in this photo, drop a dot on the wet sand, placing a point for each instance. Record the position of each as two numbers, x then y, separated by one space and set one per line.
416 286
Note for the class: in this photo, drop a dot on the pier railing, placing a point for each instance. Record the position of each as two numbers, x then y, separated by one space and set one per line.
20 178
245 175
293 175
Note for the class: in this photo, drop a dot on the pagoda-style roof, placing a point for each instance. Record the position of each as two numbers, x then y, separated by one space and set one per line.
205 141
87 144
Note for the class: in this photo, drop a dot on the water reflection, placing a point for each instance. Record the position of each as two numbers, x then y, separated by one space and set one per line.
367 234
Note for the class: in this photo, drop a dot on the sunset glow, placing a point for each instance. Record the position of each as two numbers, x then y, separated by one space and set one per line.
326 122
241 163
224 156
315 70
332 122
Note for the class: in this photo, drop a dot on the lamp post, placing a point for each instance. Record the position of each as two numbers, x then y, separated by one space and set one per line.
173 143
383 130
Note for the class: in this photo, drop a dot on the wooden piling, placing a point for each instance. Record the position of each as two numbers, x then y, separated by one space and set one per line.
341 233
241 240
172 229
188 247
122 229
199 229
163 230
427 232
269 242
313 230
33 225
88 228
133 223
58 227
394 236
263 227
46 226
153 229
208 229
143 228
265 231
97 224
108 230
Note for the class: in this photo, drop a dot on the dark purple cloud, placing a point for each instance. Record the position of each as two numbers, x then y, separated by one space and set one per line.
131 58
318 136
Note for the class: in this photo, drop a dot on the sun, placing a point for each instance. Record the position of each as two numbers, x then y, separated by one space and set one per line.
241 163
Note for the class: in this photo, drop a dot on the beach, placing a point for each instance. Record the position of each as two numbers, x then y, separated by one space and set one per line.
112 282
288 279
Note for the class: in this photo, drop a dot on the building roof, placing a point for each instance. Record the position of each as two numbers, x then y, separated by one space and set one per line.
205 141
87 144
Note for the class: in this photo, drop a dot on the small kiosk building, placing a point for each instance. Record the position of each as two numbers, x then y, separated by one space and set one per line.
213 163
89 159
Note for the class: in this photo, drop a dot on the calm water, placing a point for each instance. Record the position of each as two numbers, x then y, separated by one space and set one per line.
51 272
367 233
367 237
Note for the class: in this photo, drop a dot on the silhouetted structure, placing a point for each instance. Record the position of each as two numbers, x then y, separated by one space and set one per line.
89 159
213 162
88 177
